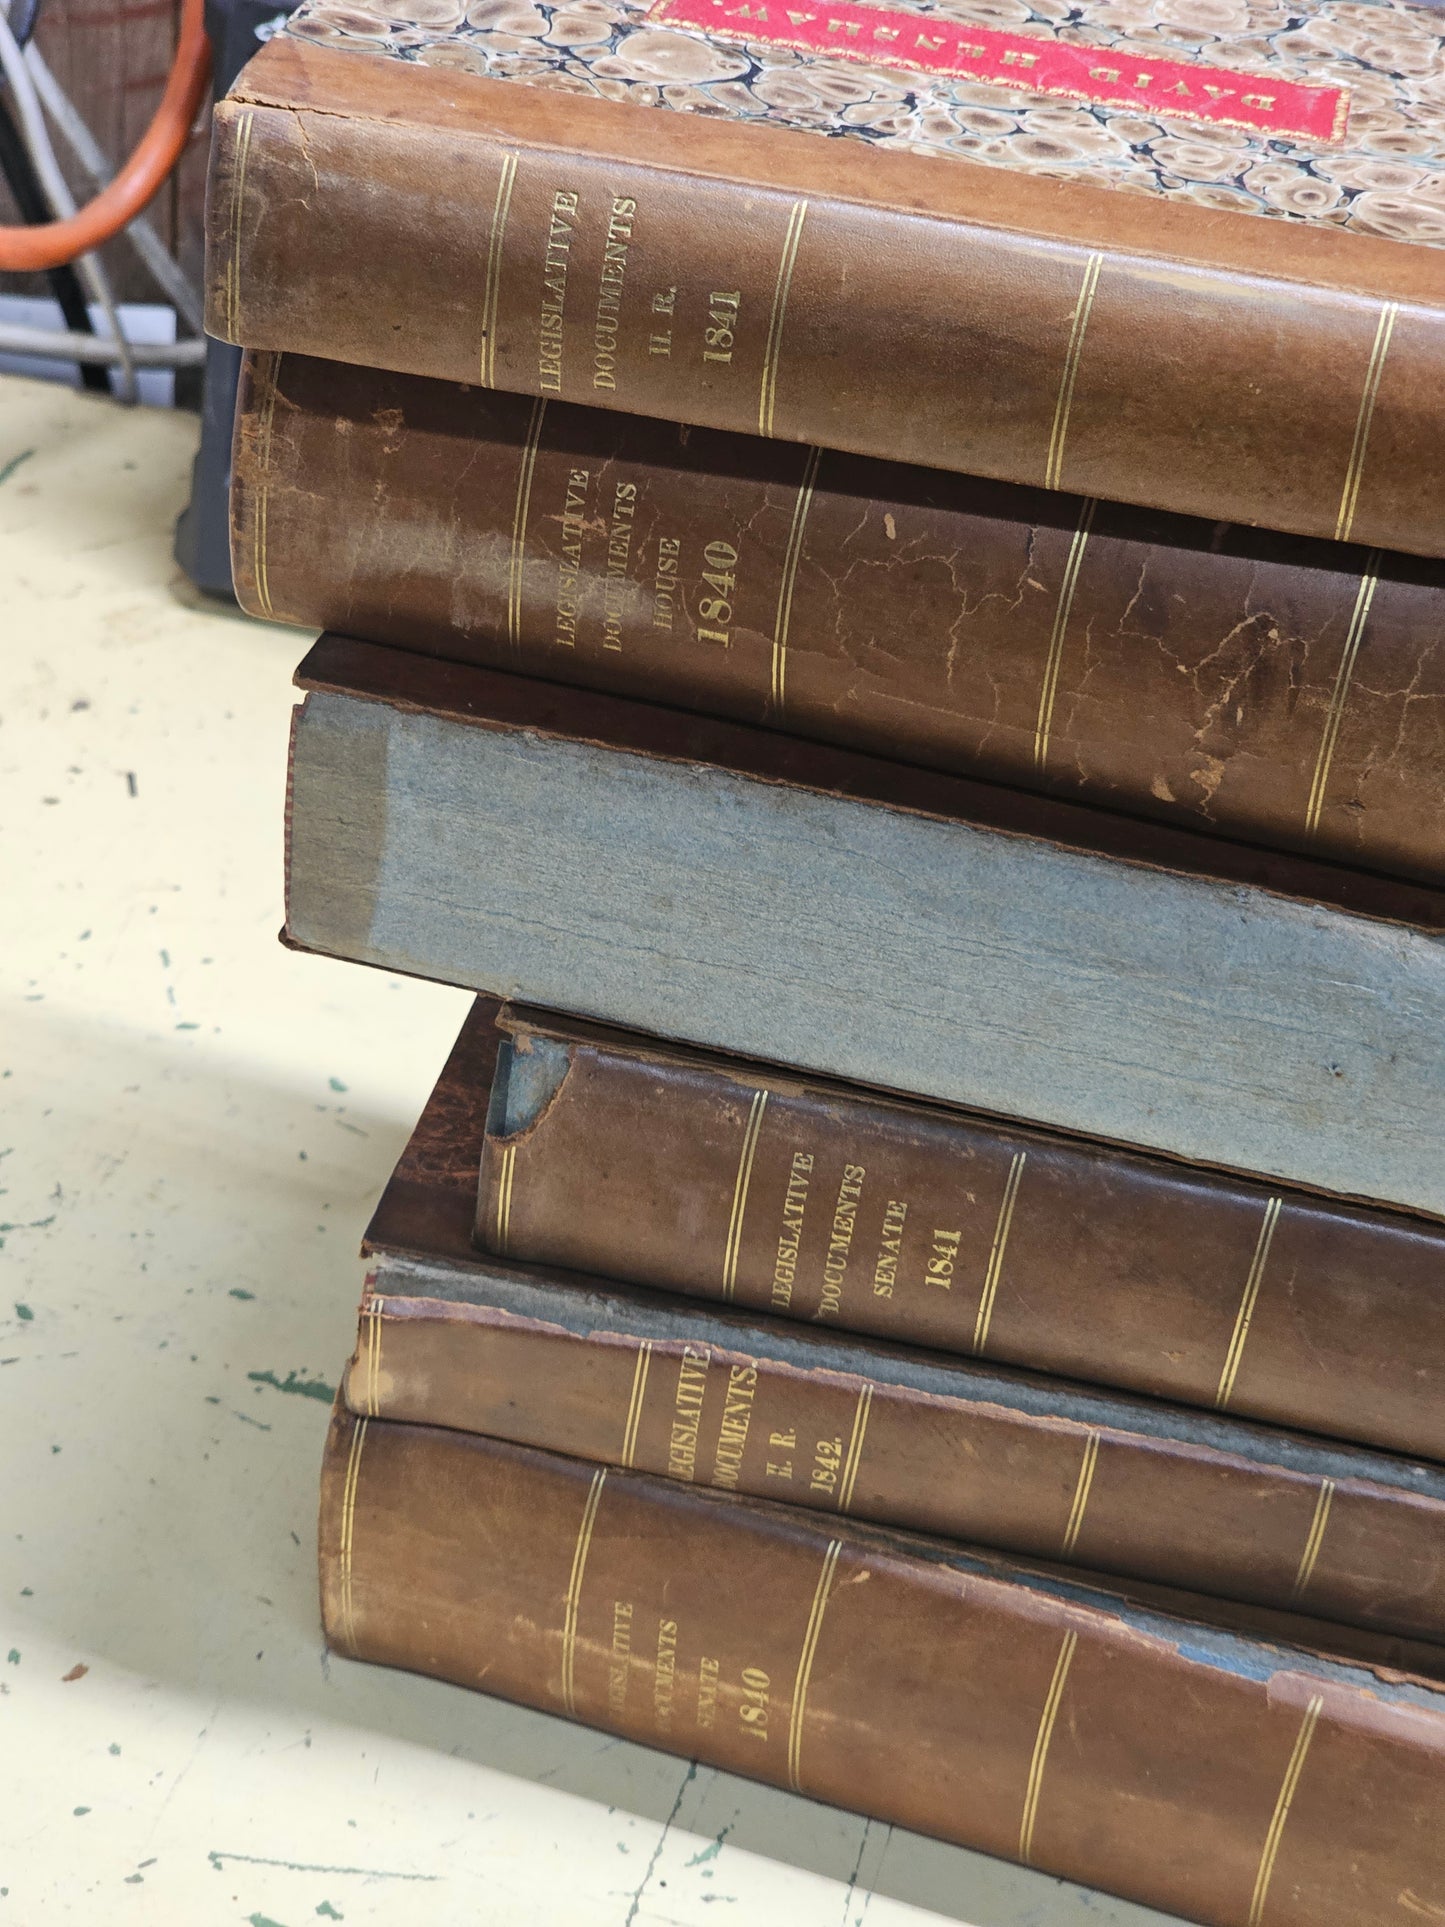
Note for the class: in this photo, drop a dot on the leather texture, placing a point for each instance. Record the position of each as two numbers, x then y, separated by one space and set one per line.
889 303
1258 686
628 1159
1188 1764
853 1427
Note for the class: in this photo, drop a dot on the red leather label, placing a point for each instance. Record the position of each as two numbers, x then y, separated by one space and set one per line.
931 44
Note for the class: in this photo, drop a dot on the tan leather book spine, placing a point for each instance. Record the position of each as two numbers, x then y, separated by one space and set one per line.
1187 1765
635 1160
1260 686
857 1429
831 293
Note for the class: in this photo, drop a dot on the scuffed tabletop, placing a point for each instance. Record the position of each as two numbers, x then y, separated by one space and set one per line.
194 1124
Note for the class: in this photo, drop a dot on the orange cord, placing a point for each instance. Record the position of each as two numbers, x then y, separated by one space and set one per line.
143 175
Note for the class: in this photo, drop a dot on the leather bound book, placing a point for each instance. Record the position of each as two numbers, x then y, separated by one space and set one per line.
617 1156
716 1395
1206 1768
1264 687
741 890
1123 253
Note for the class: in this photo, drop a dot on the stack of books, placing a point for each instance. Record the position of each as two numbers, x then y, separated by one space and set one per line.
882 580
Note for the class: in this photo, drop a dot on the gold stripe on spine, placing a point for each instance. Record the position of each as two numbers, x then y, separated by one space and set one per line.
491 293
373 1357
348 1530
1049 687
805 1663
268 376
634 1404
504 1196
740 1192
1054 468
1081 1495
789 576
1350 495
574 1591
519 522
1316 1539
1281 1810
995 1257
772 353
1369 582
238 195
1246 1304
855 1449
1041 1745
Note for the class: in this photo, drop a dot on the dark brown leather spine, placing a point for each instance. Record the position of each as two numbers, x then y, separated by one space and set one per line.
1170 1760
1272 689
1035 1466
731 1182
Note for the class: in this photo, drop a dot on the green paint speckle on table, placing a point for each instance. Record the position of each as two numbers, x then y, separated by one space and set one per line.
77 1811
294 1382
15 460
336 1084
113 1747
328 1912
24 1313
239 1291
13 1656
261 1920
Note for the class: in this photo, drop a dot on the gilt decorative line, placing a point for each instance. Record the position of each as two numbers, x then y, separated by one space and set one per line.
574 1591
505 1168
1081 1495
805 1663
238 195
1281 1810
1350 496
855 1449
1054 468
1246 1305
268 376
348 1529
1369 582
516 573
1316 1539
772 353
634 1404
1041 1745
789 576
373 1357
1055 657
995 1256
740 1192
491 292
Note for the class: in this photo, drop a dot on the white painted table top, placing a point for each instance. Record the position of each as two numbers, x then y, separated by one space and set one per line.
194 1125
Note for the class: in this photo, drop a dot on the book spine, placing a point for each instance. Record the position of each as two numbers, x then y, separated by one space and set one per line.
1259 686
920 1684
968 1236
799 310
1063 1475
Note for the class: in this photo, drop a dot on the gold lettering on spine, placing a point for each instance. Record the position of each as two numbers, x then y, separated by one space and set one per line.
634 1404
1055 656
574 1591
491 292
995 1256
519 522
1281 1809
789 576
1246 1305
268 376
772 352
1316 1537
1369 582
1081 1495
740 1191
348 1529
1041 1746
1054 468
506 1166
1350 495
238 194
373 1357
805 1663
855 1450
